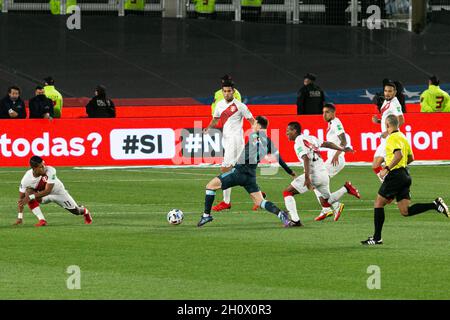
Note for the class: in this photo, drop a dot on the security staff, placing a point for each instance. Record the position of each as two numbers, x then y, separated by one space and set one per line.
434 99
310 98
12 106
134 5
219 93
40 106
54 95
251 9
205 8
397 181
55 6
100 106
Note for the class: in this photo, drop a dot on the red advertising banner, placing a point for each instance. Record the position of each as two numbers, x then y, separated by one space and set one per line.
179 141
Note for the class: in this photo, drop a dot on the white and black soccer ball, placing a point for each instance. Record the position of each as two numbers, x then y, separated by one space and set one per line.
175 216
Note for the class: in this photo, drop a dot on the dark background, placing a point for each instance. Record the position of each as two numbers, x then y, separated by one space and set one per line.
145 56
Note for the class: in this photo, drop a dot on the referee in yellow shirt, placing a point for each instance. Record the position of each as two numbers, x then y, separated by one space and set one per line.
396 182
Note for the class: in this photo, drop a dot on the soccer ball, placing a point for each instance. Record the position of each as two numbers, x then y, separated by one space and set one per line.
175 216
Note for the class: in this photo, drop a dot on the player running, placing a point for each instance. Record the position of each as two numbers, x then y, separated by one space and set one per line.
315 175
335 158
231 112
397 181
391 105
41 185
244 173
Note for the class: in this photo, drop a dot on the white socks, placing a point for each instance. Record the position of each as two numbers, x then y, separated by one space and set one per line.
227 196
318 195
291 206
335 196
38 213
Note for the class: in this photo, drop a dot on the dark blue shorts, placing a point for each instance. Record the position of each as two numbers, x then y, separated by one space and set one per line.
235 177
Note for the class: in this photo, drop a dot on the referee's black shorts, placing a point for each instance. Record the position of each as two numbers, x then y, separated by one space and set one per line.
396 185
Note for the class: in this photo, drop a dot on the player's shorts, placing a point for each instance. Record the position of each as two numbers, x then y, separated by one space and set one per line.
233 147
63 200
396 185
381 150
236 177
320 181
334 170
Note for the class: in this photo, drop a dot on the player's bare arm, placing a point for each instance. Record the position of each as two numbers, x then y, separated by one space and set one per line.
375 119
20 209
252 121
331 145
211 125
410 158
307 183
38 195
343 139
401 120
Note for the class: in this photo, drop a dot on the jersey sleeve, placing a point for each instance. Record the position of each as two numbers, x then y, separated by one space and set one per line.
216 113
393 143
246 111
397 108
23 186
51 175
339 128
300 149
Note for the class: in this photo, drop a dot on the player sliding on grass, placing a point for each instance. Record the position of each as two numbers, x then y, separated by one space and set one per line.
40 185
244 173
315 176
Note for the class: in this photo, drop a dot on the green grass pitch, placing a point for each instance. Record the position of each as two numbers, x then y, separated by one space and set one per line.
131 252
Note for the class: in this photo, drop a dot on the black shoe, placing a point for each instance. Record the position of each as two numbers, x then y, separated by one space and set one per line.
441 207
204 220
371 241
295 224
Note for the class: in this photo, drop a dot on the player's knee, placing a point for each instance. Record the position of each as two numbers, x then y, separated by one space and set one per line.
287 193
404 212
33 204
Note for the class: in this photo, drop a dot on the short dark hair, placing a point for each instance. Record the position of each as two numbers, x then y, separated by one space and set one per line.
101 90
310 76
390 84
226 77
39 88
434 80
13 88
49 80
228 83
330 105
262 121
35 161
296 126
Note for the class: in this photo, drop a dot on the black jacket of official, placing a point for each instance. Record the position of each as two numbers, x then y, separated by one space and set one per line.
101 107
310 99
39 106
18 106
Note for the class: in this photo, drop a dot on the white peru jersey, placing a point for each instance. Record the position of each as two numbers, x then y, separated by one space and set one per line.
392 106
39 183
310 146
232 115
334 130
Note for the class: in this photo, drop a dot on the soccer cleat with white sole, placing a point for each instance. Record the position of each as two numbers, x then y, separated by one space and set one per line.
371 242
441 207
338 212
